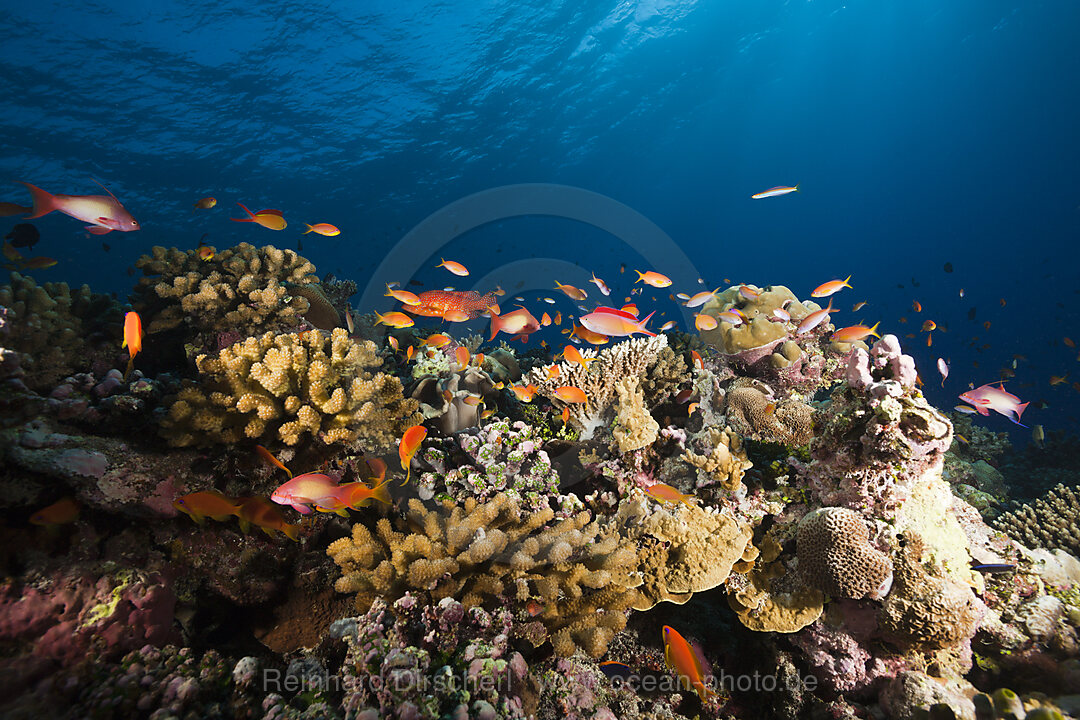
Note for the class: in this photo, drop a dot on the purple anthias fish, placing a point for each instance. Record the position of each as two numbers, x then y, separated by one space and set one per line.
996 398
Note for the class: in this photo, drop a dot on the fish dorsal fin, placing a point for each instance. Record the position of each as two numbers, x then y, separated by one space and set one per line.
105 189
270 211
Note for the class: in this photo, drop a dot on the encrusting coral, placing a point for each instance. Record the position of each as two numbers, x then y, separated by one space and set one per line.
835 555
1049 522
770 599
283 387
598 381
241 290
487 553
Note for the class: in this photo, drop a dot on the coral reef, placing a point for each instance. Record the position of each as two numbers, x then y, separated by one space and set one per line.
753 413
1049 522
598 381
241 290
836 556
486 553
283 387
721 460
454 400
635 427
503 458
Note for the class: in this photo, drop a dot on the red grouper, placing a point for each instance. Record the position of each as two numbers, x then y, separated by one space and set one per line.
103 212
435 303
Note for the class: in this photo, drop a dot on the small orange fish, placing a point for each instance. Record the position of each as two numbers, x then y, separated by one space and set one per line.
1002 301
524 393
903 321
204 204
565 415
207 503
437 340
748 292
553 372
686 663
1058 379
929 325
854 333
1068 342
402 296
916 306
410 443
456 315
575 294
62 512
558 318
545 320
454 267
653 278
665 494
593 338
263 514
858 306
132 337
10 253
37 263
533 608
461 354
205 252
570 394
325 229
394 319
831 287
691 408
929 340
409 352
572 355
393 342
473 400
266 456
695 357
986 324
269 219
704 322
630 308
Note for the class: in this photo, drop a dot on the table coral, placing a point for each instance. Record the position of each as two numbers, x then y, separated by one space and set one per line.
598 381
1049 522
504 458
770 599
242 289
284 387
487 553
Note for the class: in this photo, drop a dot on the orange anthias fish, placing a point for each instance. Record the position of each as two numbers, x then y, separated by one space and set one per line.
704 322
437 340
204 204
132 338
269 219
615 323
665 494
653 278
262 513
1068 342
593 338
572 355
37 263
103 212
394 319
454 267
436 303
268 458
833 286
410 443
686 663
571 394
1058 379
402 296
525 393
62 512
695 357
322 229
461 354
322 492
207 503
519 323
854 333
575 294
916 306
545 320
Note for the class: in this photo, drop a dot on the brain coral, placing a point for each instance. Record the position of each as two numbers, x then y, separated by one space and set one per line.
240 290
281 387
753 413
835 555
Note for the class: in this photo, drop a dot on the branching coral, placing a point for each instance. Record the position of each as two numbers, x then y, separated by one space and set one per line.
1049 522
487 553
835 555
723 460
505 458
283 387
49 324
636 428
240 290
629 358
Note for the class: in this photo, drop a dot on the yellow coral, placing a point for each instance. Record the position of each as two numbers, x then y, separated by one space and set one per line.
290 386
636 428
760 330
726 462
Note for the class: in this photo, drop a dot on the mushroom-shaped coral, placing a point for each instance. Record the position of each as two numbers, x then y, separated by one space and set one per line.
835 555
283 387
581 574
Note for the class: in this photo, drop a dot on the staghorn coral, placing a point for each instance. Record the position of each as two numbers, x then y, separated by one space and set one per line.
835 555
241 290
925 610
488 553
50 325
283 387
753 413
505 458
681 551
636 428
629 358
724 461
1049 522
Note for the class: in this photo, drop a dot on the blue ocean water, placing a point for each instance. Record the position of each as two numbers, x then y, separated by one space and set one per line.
920 133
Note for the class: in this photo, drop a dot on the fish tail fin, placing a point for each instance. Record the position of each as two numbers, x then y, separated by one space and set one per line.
44 202
496 324
1020 411
247 219
309 229
381 493
641 325
873 331
797 187
848 278
408 472
640 276
292 531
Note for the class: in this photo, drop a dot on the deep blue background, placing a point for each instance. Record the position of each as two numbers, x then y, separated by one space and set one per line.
921 132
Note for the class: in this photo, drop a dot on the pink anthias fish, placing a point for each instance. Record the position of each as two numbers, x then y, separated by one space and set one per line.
103 212
519 323
615 323
814 319
996 398
321 492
